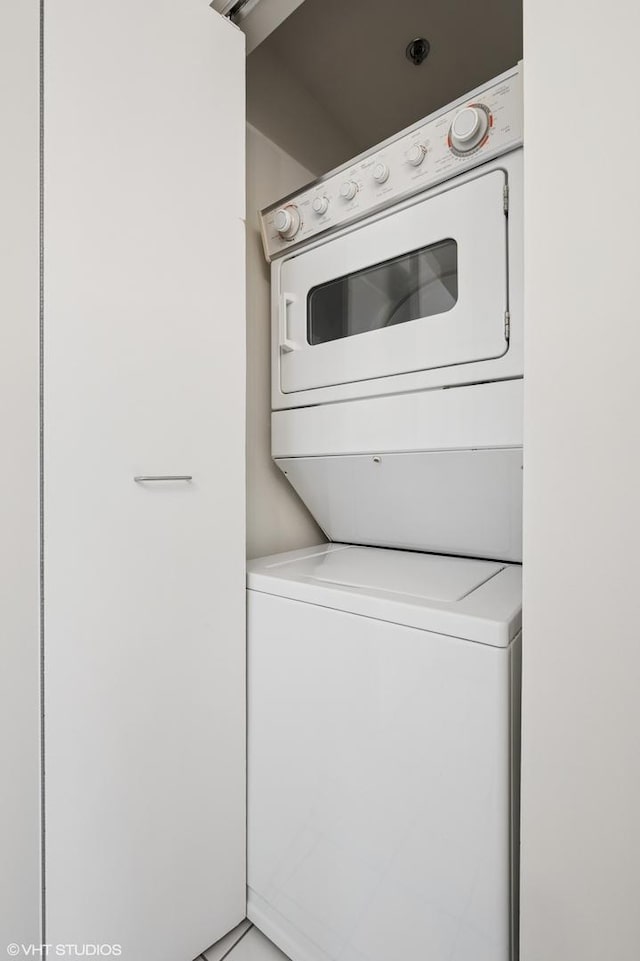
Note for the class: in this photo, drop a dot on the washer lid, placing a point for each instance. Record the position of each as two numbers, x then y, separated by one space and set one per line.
472 599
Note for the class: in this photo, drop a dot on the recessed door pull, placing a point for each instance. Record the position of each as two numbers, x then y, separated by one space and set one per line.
143 478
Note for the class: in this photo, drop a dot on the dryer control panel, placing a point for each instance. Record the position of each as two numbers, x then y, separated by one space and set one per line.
476 128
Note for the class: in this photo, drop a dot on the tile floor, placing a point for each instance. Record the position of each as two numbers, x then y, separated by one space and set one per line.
244 943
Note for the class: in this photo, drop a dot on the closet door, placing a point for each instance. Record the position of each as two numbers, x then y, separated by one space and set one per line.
143 377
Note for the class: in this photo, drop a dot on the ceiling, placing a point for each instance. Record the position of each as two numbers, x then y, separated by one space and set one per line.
348 58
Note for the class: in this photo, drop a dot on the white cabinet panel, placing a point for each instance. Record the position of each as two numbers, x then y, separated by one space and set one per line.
126 85
144 375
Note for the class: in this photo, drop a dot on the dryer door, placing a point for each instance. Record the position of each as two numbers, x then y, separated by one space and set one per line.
420 288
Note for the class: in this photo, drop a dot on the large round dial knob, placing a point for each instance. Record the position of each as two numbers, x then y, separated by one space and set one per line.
348 190
320 205
468 128
287 221
381 173
416 154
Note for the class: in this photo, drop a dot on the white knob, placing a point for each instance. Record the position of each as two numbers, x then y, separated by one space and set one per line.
380 173
320 205
416 154
287 221
468 128
348 190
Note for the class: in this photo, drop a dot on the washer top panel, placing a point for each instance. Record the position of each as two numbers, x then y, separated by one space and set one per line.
472 599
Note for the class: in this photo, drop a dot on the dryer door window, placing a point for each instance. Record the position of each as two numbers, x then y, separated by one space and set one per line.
419 284
419 288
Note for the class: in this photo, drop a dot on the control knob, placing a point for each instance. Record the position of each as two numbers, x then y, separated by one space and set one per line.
381 173
287 221
320 205
416 154
348 190
469 128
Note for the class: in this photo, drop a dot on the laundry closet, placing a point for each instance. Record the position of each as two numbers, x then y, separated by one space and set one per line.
285 725
384 667
175 333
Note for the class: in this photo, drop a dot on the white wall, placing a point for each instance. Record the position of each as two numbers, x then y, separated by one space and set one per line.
19 501
277 520
285 111
581 711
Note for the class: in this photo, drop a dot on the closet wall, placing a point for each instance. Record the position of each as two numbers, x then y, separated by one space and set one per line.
19 510
285 110
291 139
581 654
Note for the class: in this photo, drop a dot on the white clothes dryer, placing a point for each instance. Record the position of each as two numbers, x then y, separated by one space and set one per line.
397 334
383 754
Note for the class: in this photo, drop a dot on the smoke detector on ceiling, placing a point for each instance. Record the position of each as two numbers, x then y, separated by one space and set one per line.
418 50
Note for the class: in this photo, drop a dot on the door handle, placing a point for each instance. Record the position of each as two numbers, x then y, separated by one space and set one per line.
286 344
146 478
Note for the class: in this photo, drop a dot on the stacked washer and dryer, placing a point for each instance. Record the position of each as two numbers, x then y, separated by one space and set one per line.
384 666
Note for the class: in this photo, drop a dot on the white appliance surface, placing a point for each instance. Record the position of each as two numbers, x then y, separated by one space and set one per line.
426 577
471 328
415 281
412 161
387 327
434 470
477 417
381 756
397 334
474 599
465 502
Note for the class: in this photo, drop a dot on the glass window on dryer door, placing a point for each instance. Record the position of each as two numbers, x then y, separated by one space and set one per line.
419 284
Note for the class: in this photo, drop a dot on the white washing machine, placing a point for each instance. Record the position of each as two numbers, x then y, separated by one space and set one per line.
383 754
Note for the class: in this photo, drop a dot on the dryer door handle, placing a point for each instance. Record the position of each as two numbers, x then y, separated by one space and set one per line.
286 344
